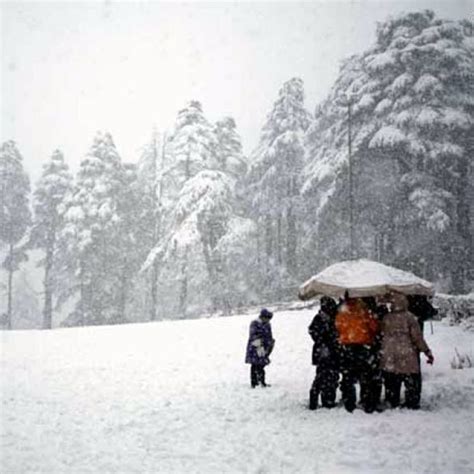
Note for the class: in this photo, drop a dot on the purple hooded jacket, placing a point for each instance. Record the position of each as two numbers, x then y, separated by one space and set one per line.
260 343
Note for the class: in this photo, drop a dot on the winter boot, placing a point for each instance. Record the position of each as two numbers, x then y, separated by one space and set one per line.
313 399
253 376
262 378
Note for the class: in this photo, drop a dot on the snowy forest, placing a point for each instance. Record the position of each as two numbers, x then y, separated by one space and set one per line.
382 169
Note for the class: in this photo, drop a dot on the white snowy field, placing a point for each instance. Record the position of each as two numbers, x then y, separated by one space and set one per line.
174 397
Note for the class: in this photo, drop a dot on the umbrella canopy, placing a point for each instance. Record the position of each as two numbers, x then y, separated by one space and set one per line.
363 278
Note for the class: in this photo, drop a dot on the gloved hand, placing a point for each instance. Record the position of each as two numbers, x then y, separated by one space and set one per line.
429 358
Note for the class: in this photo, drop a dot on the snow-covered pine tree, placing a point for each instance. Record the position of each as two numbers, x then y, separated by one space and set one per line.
91 223
274 182
154 210
49 197
205 205
411 98
192 147
229 153
236 251
15 216
200 202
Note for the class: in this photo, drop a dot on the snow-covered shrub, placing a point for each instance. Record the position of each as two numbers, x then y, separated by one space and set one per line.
461 361
457 309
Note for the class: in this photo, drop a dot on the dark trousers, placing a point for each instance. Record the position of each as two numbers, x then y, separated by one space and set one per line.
377 387
418 375
324 384
357 365
257 375
393 385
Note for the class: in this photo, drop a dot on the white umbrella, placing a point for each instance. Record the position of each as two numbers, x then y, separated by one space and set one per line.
363 278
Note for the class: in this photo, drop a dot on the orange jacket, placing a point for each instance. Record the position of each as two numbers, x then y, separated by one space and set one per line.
355 324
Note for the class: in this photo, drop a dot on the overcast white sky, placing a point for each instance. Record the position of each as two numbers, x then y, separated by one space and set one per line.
72 68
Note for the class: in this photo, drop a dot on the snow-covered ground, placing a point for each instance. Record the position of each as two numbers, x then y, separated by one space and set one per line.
174 397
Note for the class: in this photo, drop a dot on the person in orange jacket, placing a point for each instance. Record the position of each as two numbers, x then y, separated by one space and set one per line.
357 329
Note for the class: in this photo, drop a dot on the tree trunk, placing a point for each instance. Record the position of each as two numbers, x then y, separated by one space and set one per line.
82 291
268 238
259 246
291 241
48 290
279 239
267 269
183 296
212 270
10 289
154 290
123 292
48 285
462 259
157 196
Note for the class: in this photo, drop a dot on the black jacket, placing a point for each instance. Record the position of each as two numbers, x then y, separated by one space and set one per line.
421 308
324 334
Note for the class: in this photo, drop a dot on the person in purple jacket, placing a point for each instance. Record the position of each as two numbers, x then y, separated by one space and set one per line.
259 347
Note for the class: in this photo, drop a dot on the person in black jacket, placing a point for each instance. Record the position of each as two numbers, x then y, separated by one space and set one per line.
325 355
420 306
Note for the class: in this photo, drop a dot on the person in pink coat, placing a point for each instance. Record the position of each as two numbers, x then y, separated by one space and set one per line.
402 342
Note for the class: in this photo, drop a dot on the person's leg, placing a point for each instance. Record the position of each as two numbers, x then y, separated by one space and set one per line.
348 389
412 391
419 376
392 388
315 389
377 388
349 378
418 385
367 390
262 375
389 382
367 380
254 375
329 387
417 382
377 381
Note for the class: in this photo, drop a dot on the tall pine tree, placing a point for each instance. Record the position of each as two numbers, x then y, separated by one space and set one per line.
411 123
51 191
152 180
15 216
200 180
92 219
274 181
193 145
229 152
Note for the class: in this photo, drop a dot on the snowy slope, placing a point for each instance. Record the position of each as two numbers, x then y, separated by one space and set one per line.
174 397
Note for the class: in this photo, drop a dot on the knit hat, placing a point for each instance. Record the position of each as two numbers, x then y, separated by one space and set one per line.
264 313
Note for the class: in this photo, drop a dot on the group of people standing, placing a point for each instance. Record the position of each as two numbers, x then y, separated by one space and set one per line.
375 345
357 340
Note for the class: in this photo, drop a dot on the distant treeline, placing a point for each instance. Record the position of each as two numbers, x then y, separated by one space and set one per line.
195 226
